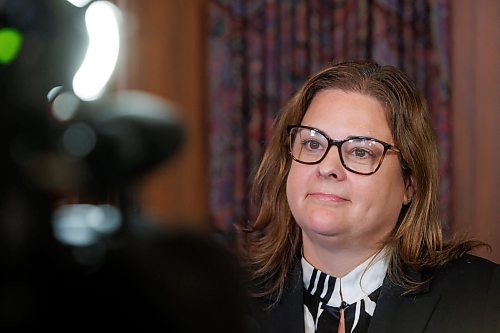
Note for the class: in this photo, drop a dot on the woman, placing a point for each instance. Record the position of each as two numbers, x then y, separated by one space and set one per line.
348 236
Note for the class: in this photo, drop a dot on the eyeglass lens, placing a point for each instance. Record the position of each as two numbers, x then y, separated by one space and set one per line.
357 154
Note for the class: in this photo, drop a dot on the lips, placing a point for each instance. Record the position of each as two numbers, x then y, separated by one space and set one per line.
328 197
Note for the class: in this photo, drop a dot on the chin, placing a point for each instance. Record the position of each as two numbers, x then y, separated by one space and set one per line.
323 224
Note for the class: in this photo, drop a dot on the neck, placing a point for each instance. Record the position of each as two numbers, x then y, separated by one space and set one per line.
336 261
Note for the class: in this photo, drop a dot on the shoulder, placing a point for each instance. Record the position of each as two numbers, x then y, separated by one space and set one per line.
469 267
462 296
469 292
468 276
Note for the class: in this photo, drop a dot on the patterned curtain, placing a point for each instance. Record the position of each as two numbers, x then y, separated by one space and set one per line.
261 51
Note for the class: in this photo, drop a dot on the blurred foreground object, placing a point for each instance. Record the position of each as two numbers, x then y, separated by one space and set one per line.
87 266
117 138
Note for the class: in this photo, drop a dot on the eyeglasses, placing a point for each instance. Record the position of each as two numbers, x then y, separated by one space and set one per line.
358 154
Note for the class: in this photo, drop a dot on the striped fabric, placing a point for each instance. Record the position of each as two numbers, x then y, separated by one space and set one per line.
356 293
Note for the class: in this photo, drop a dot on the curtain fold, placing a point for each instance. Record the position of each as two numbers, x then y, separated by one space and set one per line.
261 51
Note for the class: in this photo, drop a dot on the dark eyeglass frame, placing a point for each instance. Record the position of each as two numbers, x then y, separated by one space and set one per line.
338 144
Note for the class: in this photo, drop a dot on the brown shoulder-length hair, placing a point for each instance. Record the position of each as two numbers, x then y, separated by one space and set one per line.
273 241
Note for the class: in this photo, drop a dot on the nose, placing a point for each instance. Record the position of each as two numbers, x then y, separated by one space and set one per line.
331 165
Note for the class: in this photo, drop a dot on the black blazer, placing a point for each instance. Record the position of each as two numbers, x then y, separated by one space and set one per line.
464 296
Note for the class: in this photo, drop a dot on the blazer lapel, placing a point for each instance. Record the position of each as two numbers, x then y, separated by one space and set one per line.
397 313
288 315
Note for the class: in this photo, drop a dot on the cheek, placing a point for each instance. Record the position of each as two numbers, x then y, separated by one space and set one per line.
295 185
384 198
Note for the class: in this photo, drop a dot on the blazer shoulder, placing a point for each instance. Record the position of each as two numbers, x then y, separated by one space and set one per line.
471 266
462 296
469 291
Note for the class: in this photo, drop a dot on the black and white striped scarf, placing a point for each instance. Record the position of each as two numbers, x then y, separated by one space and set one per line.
357 293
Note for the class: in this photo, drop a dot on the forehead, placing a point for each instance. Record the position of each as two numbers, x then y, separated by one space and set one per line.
341 114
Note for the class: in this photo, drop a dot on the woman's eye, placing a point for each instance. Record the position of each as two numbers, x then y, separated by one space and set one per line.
311 144
361 153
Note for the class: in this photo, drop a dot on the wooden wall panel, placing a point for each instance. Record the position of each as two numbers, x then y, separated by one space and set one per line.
476 119
165 55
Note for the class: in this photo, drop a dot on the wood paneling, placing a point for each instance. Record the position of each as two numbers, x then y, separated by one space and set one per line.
476 119
165 55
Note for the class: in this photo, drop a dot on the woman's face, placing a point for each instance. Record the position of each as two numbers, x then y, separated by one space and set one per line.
333 206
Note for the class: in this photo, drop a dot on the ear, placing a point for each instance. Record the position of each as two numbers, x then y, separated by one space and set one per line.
409 190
